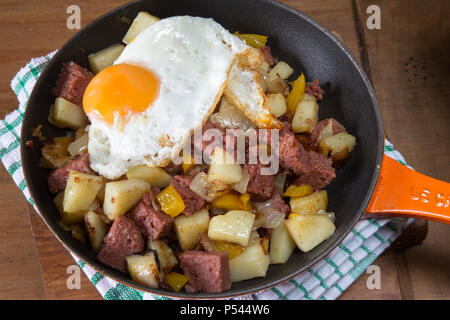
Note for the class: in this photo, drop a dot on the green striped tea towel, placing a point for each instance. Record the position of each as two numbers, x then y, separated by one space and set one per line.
325 280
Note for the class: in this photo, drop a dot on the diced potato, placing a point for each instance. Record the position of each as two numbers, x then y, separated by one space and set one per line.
296 94
66 114
189 228
68 218
281 69
101 192
144 269
251 263
80 192
281 245
308 231
277 104
121 196
79 146
310 204
141 22
105 58
337 143
166 257
224 167
55 152
96 229
234 226
156 176
306 115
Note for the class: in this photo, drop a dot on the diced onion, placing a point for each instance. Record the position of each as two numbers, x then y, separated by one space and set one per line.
326 132
79 145
279 182
241 186
206 190
231 117
267 216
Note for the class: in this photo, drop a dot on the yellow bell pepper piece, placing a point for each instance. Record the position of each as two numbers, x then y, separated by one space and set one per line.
188 162
298 191
231 201
245 198
296 94
293 215
233 249
253 40
171 202
176 280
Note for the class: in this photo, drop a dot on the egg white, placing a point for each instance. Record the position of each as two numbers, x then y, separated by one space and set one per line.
192 57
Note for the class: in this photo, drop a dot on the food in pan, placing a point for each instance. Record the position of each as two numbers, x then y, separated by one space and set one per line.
128 178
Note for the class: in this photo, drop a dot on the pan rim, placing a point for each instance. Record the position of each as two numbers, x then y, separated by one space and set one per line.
222 295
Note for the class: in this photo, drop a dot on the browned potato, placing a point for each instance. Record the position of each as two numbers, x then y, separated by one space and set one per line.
54 152
337 143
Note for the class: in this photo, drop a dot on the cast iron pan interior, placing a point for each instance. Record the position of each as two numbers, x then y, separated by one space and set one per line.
295 38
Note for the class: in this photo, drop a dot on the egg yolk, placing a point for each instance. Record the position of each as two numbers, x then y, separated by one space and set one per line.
119 90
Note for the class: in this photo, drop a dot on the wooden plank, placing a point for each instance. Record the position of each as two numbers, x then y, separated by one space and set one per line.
29 29
409 65
22 21
55 260
19 264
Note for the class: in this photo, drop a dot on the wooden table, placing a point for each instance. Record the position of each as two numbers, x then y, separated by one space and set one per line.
407 61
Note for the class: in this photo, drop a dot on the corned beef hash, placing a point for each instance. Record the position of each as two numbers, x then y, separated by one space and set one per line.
191 161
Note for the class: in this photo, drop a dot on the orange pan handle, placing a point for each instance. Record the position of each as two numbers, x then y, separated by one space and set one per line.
403 192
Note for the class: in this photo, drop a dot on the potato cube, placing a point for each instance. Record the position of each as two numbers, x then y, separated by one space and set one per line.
156 176
68 218
306 115
144 269
281 245
337 143
189 228
65 114
166 257
277 104
96 229
55 152
121 196
235 226
224 167
105 58
308 231
251 263
80 192
282 70
310 204
141 22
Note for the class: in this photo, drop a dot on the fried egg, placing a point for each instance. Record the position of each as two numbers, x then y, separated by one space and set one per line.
162 87
244 91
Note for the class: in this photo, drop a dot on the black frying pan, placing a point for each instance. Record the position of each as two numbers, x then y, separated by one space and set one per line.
294 37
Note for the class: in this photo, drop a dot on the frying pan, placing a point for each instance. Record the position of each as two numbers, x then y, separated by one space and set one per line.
369 182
